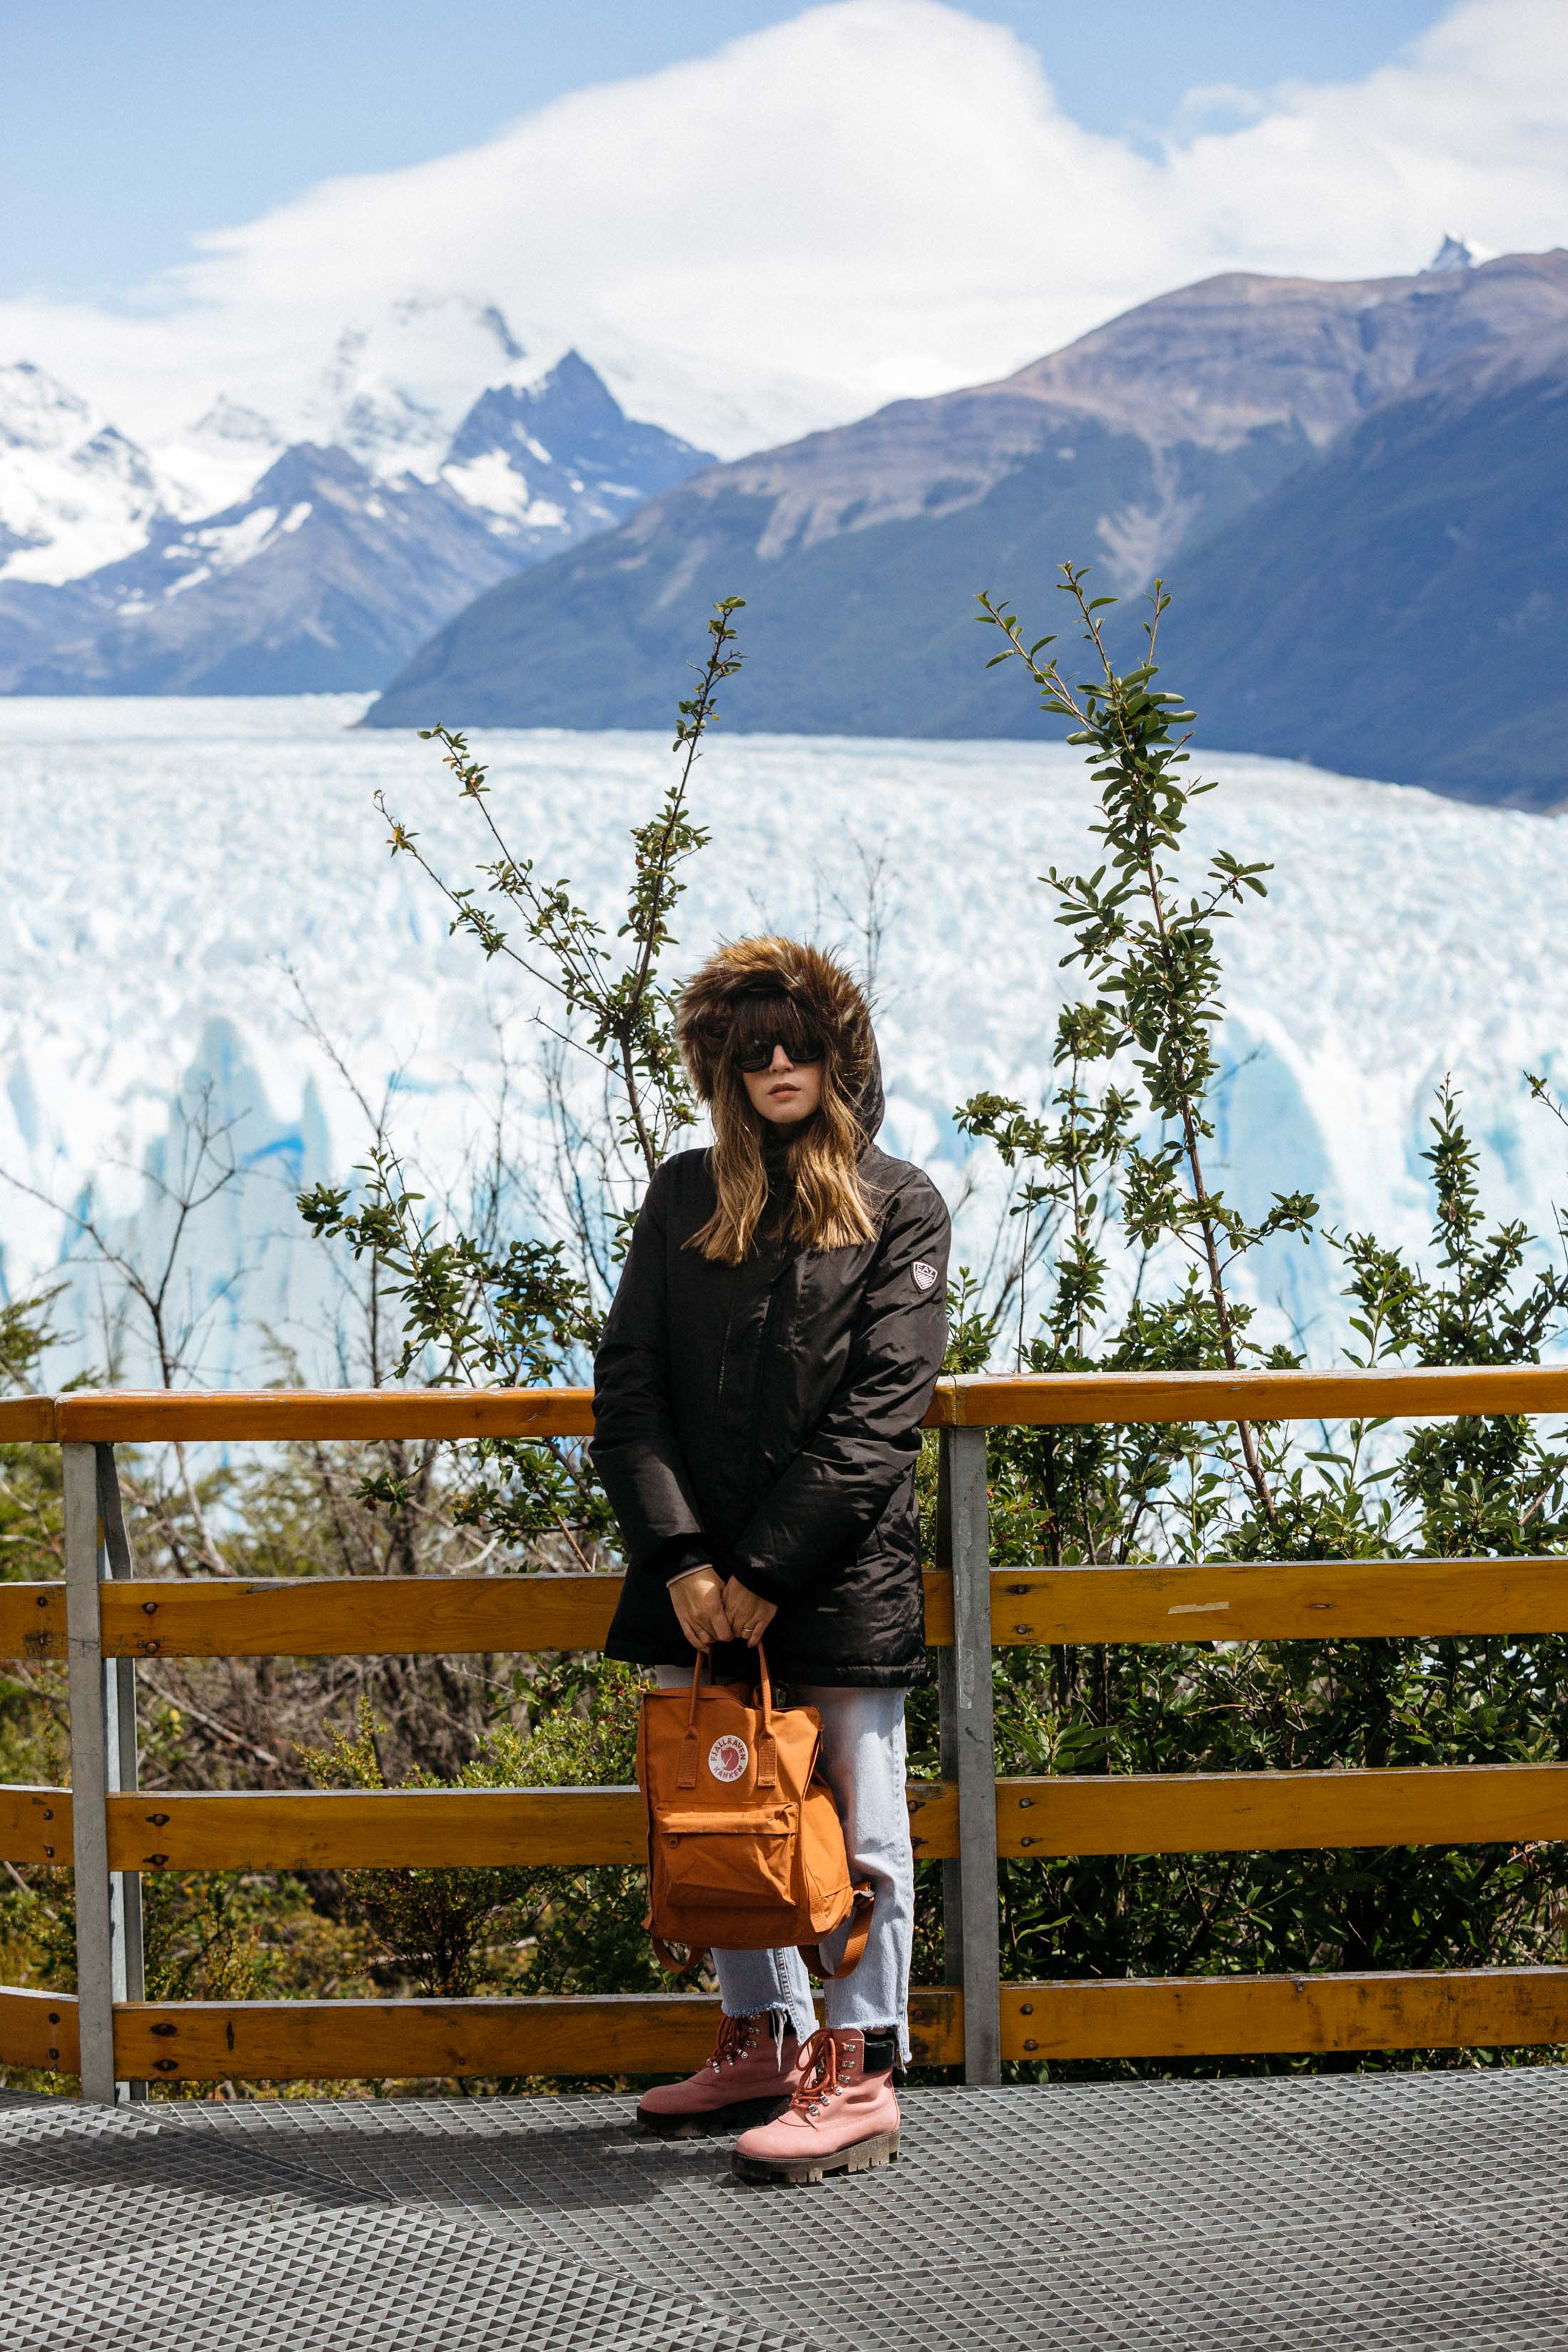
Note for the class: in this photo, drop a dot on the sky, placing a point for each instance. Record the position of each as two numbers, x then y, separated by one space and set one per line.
183 117
755 219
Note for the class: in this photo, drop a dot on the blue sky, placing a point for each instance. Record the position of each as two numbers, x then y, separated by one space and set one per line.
754 221
131 127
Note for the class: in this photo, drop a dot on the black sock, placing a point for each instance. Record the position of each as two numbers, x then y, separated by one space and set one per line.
881 2050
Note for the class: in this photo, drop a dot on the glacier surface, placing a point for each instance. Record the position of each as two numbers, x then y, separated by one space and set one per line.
200 897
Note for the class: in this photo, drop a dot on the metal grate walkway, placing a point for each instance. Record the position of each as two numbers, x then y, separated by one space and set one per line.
1373 2213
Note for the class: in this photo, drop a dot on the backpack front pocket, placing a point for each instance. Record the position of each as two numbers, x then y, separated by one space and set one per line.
738 1862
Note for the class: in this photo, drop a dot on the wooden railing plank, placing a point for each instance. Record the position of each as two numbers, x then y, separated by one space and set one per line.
32 1621
28 1421
39 2028
969 1400
35 1824
1095 2018
1255 1601
1241 1812
1066 1398
304 2040
366 1829
309 1617
1231 1601
934 1818
356 1616
939 1607
1211 2017
1253 1812
416 1828
124 1416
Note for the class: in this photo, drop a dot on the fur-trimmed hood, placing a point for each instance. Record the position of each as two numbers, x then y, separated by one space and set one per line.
819 983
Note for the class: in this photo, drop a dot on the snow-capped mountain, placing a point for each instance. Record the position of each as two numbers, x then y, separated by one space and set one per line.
397 387
253 565
555 460
219 457
74 493
320 573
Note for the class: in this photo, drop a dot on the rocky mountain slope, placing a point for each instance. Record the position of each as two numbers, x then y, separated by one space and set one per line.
237 560
861 551
1399 608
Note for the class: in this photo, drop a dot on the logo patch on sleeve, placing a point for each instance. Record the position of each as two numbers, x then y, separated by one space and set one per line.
729 1756
924 1275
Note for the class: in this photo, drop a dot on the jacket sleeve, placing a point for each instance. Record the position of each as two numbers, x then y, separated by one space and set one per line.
866 1440
634 1446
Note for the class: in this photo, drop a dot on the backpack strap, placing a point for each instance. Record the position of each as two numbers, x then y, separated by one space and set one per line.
854 1943
664 1953
767 1748
687 1776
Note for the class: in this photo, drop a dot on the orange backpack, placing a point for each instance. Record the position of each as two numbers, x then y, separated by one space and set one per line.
745 1848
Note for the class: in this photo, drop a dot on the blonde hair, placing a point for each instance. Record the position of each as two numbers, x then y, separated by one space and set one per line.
828 1205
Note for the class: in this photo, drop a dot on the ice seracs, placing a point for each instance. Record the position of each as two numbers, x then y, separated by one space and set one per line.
169 866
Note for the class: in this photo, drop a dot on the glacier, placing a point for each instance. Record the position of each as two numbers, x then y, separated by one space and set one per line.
201 903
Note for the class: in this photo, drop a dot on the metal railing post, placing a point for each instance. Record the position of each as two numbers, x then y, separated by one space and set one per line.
128 1777
95 1768
970 1895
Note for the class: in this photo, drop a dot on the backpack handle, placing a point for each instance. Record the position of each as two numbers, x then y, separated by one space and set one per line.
768 1750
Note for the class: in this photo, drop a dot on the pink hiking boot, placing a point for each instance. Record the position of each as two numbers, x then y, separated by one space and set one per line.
842 2117
748 2080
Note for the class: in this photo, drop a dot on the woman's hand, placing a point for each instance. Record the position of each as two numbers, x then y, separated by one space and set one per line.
698 1600
749 1615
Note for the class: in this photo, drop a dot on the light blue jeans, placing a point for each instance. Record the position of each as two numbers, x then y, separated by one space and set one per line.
863 1759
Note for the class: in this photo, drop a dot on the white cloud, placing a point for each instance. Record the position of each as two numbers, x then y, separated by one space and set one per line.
877 198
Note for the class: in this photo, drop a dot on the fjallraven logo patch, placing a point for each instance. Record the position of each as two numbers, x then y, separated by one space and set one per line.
924 1275
729 1756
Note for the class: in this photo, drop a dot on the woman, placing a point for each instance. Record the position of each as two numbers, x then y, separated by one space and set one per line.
765 1367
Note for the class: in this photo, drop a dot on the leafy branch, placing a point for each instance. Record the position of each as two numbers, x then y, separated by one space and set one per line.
627 1012
481 1305
1150 952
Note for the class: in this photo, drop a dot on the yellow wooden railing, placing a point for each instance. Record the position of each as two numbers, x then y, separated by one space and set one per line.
102 1618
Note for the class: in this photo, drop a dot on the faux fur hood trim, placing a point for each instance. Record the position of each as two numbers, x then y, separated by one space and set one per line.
826 991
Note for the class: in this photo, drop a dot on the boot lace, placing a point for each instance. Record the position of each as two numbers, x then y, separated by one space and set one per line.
738 2037
819 2082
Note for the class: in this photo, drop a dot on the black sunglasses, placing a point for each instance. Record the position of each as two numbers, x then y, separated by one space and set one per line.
759 1055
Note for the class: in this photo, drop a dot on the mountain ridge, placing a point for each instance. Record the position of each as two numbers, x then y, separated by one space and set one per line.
330 567
1445 515
859 549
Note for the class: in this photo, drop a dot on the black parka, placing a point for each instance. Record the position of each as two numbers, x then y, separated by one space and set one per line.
766 1416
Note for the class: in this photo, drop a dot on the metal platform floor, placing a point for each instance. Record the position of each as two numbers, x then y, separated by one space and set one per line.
1370 2214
